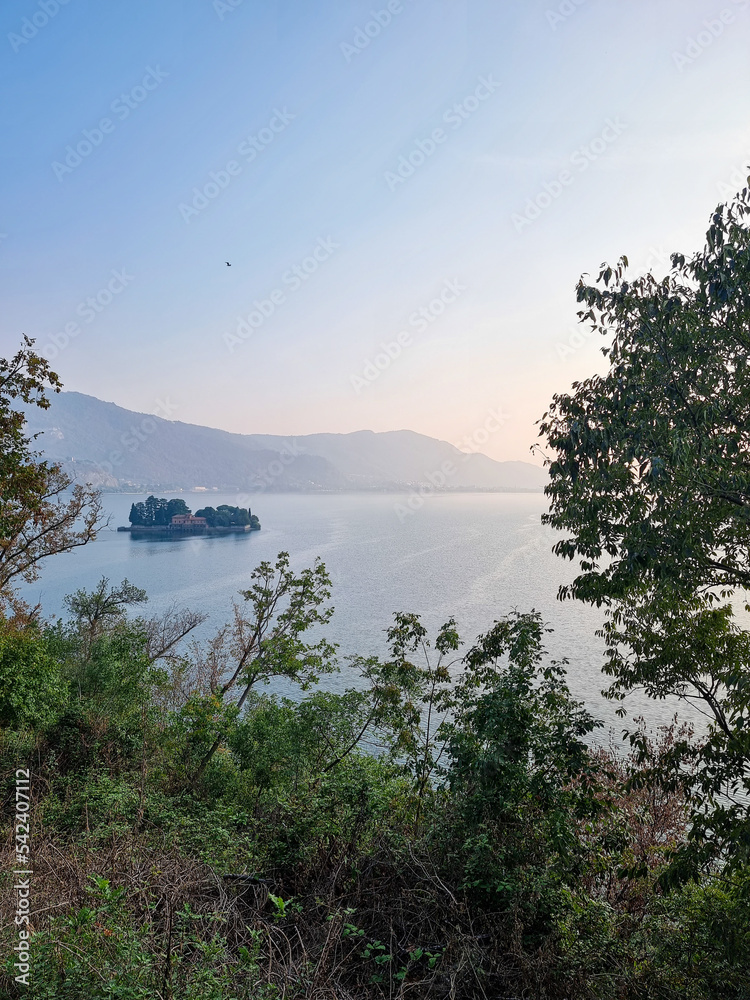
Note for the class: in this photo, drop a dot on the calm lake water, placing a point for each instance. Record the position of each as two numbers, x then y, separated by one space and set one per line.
470 556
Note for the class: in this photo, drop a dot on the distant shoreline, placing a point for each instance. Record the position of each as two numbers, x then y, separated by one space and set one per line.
177 531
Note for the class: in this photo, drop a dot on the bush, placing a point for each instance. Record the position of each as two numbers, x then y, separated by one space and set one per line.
32 688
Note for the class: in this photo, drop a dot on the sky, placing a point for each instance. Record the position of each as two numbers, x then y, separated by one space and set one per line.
407 192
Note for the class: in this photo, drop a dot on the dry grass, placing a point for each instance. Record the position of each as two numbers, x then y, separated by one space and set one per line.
307 953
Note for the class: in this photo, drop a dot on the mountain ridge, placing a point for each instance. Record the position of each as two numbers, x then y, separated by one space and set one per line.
119 449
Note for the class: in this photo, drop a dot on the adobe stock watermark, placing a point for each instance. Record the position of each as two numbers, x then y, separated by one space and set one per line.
419 320
657 257
248 149
440 478
88 310
710 30
122 107
455 116
738 179
31 26
371 29
23 872
224 7
292 279
579 335
287 455
581 159
563 11
472 443
136 435
266 478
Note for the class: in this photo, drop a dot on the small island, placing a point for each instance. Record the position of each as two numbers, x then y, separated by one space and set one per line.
159 516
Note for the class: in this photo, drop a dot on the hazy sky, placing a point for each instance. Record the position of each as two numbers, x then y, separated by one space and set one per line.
428 175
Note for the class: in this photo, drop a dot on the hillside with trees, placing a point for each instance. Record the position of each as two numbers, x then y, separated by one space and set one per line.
447 827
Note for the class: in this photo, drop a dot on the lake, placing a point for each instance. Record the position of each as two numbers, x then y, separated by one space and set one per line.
470 556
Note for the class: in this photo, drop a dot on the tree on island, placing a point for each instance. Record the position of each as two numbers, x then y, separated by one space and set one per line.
156 512
225 516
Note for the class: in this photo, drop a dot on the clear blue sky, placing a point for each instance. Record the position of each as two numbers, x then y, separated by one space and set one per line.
617 126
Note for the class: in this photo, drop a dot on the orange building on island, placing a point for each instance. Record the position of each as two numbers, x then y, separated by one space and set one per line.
188 521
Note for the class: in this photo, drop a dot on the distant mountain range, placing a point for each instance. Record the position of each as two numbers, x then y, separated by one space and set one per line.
118 449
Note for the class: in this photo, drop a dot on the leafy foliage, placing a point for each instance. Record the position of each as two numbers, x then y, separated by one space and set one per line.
483 843
448 827
650 481
226 516
520 774
40 514
649 467
268 642
33 689
410 700
156 512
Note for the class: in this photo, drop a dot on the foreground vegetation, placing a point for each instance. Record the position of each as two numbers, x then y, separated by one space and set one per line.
447 827
184 848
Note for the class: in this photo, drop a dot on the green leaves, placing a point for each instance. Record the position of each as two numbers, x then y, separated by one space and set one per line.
33 689
267 642
517 769
412 695
284 606
650 484
282 907
38 517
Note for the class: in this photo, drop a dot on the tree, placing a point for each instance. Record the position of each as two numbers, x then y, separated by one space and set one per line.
519 771
111 659
226 516
98 612
210 515
40 514
175 507
156 511
137 517
269 642
650 480
32 686
411 697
